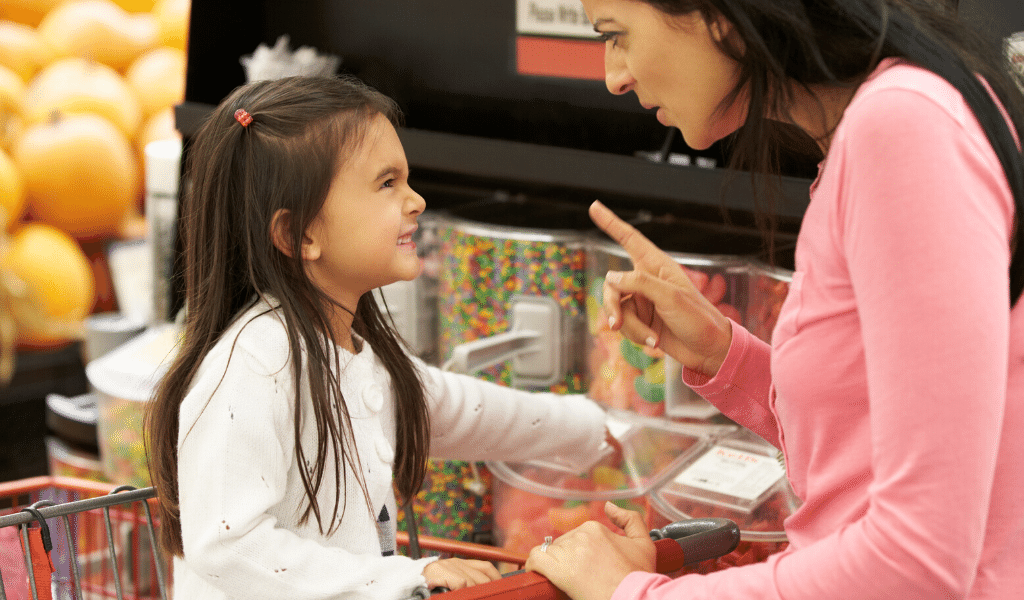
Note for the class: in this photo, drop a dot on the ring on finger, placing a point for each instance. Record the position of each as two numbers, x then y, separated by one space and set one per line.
547 542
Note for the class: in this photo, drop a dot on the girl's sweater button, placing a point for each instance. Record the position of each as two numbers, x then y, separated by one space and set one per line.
373 398
384 451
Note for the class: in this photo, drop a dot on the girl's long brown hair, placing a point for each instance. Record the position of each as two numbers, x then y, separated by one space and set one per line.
841 42
236 178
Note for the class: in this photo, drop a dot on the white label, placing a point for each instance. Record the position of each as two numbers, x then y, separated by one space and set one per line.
564 18
1015 51
733 472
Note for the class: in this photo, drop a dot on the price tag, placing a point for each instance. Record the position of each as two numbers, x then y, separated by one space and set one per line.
733 472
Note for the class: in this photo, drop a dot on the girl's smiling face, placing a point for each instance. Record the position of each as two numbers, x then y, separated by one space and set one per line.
362 237
673 63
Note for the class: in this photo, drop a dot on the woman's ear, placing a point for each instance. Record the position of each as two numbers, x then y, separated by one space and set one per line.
280 235
720 28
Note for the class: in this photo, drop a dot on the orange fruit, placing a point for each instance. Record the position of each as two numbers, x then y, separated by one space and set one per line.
27 12
81 173
78 85
99 30
158 79
59 286
136 5
12 192
22 49
172 18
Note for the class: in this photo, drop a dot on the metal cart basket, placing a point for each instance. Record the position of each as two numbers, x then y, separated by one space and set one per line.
71 539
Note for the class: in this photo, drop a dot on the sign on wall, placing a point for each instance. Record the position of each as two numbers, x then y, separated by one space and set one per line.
555 39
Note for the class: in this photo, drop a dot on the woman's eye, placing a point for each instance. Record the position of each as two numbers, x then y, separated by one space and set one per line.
609 36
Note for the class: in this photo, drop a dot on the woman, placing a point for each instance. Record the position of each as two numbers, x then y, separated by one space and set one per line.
895 378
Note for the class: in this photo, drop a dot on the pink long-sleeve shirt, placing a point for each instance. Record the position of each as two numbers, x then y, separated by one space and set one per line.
895 378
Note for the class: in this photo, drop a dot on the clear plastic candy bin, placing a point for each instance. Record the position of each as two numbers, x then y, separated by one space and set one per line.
739 477
769 287
125 380
534 499
625 375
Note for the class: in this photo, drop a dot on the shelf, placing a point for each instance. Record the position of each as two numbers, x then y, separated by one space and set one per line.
597 172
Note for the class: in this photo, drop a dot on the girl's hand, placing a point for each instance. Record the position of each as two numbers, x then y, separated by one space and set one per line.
589 562
457 573
657 305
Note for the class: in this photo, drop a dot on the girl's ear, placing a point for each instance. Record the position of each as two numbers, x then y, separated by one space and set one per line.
280 228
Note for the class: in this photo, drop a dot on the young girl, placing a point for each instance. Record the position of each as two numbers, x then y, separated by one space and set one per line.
894 382
291 408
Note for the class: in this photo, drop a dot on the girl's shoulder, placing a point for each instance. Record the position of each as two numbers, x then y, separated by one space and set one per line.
257 334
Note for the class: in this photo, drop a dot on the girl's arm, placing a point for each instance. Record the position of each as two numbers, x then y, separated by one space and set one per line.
478 420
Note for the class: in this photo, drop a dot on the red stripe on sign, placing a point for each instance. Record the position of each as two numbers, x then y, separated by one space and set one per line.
550 57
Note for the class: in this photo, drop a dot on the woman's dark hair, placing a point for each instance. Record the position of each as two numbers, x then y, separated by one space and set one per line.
840 42
236 179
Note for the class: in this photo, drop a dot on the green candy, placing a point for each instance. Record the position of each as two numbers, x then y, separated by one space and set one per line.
634 355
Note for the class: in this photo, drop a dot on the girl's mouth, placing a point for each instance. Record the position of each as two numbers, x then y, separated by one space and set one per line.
405 239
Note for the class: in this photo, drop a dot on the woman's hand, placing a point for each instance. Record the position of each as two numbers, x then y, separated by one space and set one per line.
589 562
657 305
457 573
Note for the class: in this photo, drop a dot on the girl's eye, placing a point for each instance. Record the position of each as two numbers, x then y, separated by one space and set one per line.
388 183
609 36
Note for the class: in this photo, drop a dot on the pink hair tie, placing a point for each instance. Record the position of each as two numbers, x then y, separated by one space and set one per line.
243 117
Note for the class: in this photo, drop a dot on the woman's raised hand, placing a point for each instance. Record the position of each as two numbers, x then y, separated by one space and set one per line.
657 305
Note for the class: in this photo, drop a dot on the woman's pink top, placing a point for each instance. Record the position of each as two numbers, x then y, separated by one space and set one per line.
895 378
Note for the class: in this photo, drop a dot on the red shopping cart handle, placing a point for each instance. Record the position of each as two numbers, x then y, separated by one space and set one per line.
677 545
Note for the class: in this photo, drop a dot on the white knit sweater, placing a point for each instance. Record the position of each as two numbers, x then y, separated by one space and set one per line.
240 491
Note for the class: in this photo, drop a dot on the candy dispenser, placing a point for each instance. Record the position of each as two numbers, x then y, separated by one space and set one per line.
495 253
536 498
624 375
125 380
503 263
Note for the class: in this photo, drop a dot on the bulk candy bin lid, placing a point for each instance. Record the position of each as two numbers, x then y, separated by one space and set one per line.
132 370
653 450
739 477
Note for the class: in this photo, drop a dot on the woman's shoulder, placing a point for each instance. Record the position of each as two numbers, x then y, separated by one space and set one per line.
900 89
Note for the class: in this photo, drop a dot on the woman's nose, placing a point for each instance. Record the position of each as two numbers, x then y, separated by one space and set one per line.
616 76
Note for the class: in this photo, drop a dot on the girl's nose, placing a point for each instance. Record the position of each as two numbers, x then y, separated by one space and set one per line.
415 203
616 76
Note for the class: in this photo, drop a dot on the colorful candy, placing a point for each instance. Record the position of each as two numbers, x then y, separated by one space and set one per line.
121 441
481 272
448 505
622 374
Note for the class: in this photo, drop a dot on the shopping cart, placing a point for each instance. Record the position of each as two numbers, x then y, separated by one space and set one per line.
71 539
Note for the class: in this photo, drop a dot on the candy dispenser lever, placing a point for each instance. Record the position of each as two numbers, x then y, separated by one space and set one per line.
474 356
533 343
540 365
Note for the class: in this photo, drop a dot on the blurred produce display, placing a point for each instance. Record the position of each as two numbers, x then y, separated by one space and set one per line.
84 86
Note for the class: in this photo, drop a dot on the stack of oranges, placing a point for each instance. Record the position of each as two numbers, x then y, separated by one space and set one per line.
84 86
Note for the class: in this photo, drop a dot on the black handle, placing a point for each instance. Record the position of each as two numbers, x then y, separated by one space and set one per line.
701 539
